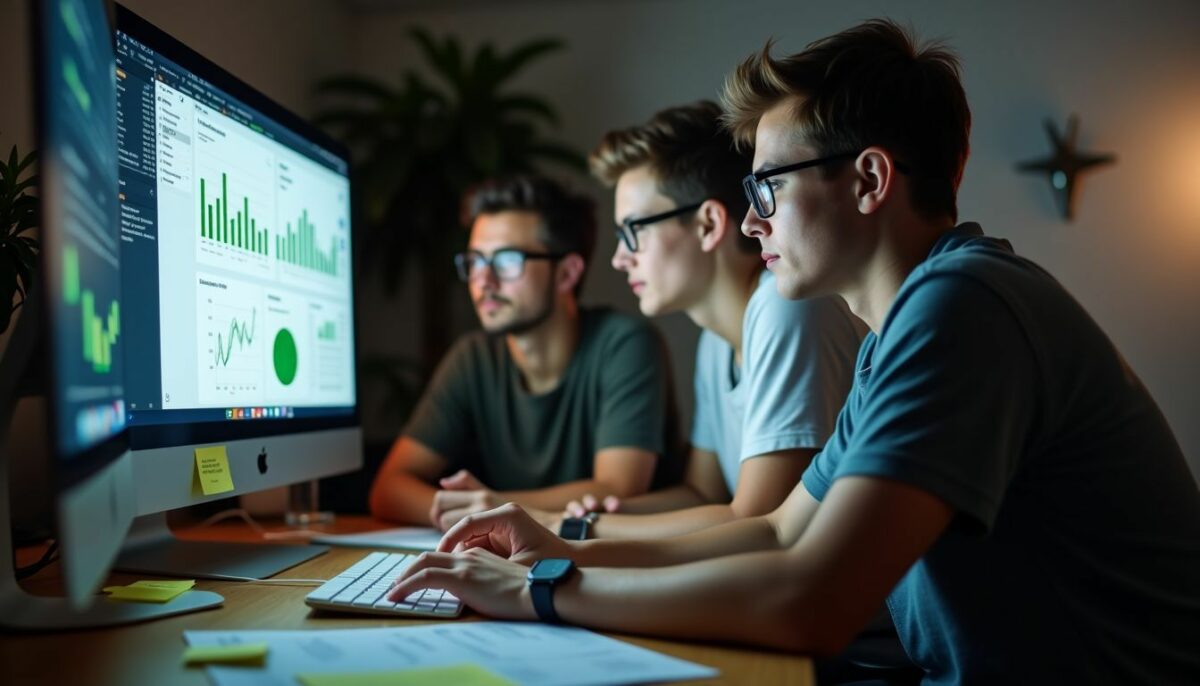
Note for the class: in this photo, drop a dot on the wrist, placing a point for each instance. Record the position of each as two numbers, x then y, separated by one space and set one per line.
550 520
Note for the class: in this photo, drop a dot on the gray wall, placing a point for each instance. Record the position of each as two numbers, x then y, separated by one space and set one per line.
1130 70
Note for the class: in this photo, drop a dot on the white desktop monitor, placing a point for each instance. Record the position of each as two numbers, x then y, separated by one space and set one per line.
236 237
76 318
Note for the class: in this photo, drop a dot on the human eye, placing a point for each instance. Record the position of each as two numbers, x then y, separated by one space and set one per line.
508 259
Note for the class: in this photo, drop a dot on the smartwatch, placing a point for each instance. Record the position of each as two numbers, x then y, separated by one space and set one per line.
542 578
577 528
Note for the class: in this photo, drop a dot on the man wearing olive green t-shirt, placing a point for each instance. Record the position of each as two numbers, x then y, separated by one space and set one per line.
550 401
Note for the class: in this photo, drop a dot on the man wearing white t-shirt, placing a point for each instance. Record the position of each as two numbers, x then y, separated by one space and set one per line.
771 373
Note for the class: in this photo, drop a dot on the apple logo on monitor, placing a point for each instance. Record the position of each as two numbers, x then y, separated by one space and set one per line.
262 460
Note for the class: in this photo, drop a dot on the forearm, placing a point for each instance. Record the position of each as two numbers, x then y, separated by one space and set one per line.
663 525
555 498
753 598
673 498
402 498
733 537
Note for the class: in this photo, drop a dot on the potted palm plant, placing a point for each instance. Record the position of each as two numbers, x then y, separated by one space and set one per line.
18 218
421 144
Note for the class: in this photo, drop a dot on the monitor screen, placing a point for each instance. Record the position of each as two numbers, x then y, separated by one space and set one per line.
81 243
236 235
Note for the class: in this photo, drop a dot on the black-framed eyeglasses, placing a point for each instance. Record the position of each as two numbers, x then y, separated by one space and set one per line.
762 194
508 264
627 230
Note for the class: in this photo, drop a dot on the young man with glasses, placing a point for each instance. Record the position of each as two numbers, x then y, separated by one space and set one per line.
770 373
551 400
998 473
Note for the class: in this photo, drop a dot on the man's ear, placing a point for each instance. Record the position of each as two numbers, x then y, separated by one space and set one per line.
712 224
876 178
570 272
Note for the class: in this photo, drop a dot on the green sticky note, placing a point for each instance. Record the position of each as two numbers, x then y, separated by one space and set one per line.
212 470
459 675
241 653
149 591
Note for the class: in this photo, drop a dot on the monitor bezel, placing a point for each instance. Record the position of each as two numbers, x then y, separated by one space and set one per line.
81 465
167 435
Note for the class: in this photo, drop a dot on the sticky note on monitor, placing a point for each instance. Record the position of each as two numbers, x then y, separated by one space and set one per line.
212 475
459 675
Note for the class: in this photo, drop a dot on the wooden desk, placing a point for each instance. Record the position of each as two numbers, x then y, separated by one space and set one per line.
149 653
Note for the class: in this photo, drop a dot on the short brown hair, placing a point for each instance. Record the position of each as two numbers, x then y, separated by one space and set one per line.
869 85
568 220
690 154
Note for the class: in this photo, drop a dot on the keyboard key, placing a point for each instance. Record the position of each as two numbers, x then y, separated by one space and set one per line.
365 584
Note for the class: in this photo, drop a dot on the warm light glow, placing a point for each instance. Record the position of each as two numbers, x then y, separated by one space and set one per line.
1173 187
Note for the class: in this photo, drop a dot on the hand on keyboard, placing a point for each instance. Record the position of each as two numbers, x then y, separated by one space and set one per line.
362 588
509 532
484 581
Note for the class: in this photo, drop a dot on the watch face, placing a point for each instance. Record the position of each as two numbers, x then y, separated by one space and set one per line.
550 570
572 529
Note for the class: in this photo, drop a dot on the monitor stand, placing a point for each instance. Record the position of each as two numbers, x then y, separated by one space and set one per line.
20 611
151 548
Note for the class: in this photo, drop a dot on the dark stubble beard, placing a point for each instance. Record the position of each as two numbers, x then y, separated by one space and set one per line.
533 321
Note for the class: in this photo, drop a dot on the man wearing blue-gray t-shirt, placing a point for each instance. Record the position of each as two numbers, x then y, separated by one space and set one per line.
770 373
998 474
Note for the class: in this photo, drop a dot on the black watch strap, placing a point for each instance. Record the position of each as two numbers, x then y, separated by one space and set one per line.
543 601
574 528
543 577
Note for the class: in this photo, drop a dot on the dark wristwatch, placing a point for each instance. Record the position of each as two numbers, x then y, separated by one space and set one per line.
577 528
542 578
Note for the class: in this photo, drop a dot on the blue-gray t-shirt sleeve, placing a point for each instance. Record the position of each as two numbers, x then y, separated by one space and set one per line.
948 403
797 369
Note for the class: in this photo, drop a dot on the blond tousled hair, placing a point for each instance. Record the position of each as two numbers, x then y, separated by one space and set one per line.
868 85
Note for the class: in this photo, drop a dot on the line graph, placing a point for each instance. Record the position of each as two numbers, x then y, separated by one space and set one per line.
230 350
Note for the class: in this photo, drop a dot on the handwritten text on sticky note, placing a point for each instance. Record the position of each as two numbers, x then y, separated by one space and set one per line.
212 470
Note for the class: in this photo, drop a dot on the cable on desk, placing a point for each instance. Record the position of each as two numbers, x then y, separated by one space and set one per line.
47 558
279 582
258 529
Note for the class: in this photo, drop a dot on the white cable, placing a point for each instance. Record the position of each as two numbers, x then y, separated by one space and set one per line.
258 529
252 580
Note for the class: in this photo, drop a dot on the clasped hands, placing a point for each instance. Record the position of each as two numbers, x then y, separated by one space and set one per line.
462 494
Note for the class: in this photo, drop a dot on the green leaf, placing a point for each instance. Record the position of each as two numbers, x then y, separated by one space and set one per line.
524 54
528 104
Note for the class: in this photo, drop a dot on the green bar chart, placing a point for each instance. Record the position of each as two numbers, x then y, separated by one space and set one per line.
100 332
299 248
327 332
240 231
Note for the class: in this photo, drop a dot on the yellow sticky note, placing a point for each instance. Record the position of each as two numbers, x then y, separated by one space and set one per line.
149 591
212 470
241 653
459 675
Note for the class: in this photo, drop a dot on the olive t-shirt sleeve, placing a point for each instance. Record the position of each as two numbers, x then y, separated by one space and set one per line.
634 388
442 420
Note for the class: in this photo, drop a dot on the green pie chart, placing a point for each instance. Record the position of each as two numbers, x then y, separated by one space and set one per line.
285 357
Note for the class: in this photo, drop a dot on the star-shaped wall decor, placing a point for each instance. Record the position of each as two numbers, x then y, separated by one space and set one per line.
1065 164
